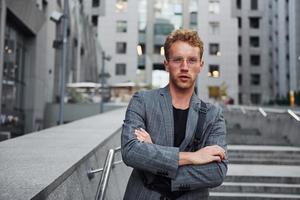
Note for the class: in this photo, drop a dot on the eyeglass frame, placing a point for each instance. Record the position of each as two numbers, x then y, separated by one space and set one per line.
190 61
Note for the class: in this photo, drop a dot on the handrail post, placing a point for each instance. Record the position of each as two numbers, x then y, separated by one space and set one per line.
293 114
105 175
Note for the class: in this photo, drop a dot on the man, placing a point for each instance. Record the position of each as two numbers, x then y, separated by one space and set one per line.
160 127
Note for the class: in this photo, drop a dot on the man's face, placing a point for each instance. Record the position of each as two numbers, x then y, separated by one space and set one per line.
184 64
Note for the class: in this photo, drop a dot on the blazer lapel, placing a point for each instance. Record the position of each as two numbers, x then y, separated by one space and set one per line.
167 112
191 122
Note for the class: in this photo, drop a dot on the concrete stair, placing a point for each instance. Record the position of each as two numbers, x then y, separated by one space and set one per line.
269 155
252 196
258 172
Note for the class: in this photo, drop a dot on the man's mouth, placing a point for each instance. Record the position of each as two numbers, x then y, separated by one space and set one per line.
184 77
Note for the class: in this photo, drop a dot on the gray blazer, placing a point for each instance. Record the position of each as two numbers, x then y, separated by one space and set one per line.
152 110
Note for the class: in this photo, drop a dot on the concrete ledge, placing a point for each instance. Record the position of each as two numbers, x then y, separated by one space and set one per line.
52 164
275 125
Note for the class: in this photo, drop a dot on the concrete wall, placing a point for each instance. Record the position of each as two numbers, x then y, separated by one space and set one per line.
52 164
74 112
273 125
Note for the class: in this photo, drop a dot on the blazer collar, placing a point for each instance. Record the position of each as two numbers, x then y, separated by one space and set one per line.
167 109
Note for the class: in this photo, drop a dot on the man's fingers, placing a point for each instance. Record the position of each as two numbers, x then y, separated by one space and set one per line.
217 158
216 150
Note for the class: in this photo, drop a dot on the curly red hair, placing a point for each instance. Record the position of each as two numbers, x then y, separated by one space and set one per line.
184 35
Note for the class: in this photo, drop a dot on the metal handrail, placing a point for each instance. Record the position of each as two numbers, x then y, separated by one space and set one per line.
108 165
264 111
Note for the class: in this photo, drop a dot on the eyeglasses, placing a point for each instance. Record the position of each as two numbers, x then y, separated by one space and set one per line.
191 61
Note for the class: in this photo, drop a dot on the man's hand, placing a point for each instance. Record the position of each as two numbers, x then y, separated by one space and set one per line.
205 155
143 136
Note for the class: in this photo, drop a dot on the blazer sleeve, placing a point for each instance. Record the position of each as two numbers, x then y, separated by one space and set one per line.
157 159
191 177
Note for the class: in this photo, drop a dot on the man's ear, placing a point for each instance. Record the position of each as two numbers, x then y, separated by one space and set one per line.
201 65
166 65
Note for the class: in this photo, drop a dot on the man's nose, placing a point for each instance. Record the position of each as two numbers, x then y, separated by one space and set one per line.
184 65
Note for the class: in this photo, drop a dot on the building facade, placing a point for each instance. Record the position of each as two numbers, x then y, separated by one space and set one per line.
268 49
116 25
218 29
284 36
255 74
30 59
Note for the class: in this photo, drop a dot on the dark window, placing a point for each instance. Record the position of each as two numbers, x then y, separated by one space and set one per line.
214 49
240 98
255 60
121 26
120 69
239 22
255 79
193 18
254 4
95 20
121 47
238 4
214 71
95 3
156 49
255 98
240 41
254 22
240 60
254 41
240 79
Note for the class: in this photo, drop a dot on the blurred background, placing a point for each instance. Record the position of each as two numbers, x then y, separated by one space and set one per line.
65 60
86 52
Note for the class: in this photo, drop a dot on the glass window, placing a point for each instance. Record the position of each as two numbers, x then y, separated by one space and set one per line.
238 4
255 98
240 98
157 49
254 22
121 6
95 3
95 20
13 82
214 71
214 28
240 60
120 69
121 26
214 92
254 41
162 27
214 49
240 79
214 6
255 60
254 4
121 47
240 41
193 18
239 22
255 79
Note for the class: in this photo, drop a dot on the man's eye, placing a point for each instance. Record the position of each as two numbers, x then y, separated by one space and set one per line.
177 60
192 60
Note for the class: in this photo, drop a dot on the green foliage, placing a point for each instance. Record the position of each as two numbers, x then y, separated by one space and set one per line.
285 101
75 96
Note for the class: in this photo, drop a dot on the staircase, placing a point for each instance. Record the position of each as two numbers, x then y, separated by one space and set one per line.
264 171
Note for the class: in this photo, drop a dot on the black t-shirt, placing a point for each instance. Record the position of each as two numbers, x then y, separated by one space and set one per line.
163 184
180 118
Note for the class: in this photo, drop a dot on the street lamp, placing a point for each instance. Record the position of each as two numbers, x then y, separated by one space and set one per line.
102 77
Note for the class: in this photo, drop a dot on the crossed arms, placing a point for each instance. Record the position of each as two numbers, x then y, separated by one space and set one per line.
204 168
